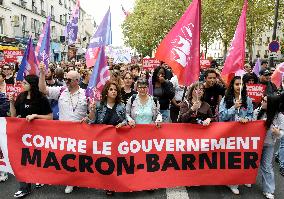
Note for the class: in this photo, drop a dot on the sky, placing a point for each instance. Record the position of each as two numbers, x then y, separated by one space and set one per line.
98 8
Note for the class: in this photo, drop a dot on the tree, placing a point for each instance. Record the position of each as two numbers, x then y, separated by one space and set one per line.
150 21
153 19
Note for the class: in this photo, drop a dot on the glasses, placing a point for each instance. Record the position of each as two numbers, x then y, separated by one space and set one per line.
68 80
142 87
199 89
6 68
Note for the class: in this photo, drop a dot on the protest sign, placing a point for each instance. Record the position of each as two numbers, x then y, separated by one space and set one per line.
255 92
150 63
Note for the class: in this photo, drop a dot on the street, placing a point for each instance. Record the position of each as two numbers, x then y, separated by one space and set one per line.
205 192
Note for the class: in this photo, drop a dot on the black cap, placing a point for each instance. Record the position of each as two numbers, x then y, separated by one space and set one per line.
265 72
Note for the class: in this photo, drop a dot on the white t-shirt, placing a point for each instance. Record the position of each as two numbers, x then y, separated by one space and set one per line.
71 107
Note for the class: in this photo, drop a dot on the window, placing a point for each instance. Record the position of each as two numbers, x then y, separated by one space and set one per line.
34 8
24 22
52 11
32 25
42 5
1 26
23 3
53 32
268 40
1 2
65 19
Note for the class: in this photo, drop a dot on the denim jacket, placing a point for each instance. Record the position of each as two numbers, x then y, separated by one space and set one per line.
233 114
101 112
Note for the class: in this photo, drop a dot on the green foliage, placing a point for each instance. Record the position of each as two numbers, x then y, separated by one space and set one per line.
151 20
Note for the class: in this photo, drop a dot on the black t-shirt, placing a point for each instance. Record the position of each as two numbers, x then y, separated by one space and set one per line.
211 96
10 80
26 106
111 117
125 96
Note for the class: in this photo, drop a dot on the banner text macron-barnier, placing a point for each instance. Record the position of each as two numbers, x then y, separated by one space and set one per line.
222 153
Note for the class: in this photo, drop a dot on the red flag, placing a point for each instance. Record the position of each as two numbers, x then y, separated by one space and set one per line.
180 49
278 75
236 56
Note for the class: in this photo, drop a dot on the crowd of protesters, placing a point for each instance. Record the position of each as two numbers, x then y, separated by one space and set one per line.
137 96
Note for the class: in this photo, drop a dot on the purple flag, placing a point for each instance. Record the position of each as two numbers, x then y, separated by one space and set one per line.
256 67
71 30
29 64
102 37
43 45
99 77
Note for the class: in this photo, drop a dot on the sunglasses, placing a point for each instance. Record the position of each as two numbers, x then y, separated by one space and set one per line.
6 68
68 80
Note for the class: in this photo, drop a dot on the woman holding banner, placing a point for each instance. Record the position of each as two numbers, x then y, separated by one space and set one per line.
143 108
274 123
194 109
30 104
109 110
236 106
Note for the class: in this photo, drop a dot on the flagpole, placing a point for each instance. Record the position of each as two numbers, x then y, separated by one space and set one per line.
241 88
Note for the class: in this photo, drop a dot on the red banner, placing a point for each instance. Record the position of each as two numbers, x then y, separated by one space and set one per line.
14 89
13 55
126 159
255 92
150 63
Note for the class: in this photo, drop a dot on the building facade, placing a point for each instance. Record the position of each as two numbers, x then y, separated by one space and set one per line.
260 45
21 18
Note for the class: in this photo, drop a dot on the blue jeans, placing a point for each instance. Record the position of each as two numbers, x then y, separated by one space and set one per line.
165 115
280 153
266 168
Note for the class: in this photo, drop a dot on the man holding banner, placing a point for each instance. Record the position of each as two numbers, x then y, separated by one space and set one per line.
72 102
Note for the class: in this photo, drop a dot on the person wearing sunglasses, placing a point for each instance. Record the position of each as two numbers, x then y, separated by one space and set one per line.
265 79
72 102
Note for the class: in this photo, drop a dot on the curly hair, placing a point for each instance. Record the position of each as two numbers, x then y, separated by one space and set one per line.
230 94
105 92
